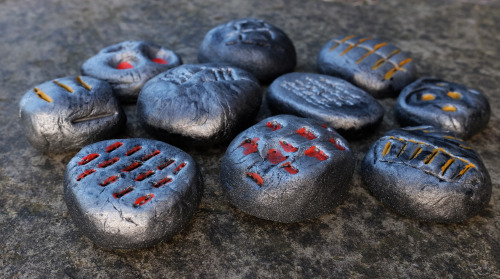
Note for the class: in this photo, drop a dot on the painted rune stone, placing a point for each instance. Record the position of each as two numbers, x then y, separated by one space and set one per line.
287 169
427 174
199 105
127 66
379 68
346 108
131 193
446 105
68 113
250 44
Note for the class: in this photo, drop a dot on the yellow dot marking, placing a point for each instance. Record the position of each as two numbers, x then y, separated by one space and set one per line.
42 95
381 45
341 42
416 152
399 67
447 165
428 97
454 95
431 157
67 88
381 61
449 108
387 148
83 83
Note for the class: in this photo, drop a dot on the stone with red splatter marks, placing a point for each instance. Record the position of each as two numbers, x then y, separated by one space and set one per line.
68 113
346 108
128 65
131 193
199 105
287 169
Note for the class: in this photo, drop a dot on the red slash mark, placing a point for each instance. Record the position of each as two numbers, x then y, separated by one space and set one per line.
132 166
83 174
123 193
166 164
250 145
144 175
337 144
109 180
273 125
255 178
179 167
288 147
113 147
143 200
85 160
133 150
160 61
151 155
316 153
289 168
108 162
305 133
162 182
274 156
124 66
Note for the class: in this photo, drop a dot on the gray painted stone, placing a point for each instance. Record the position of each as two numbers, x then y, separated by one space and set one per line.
42 40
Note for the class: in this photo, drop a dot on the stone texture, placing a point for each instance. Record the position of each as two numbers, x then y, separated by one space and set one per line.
42 40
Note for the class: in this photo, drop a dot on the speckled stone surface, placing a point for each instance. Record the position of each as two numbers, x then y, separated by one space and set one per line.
41 40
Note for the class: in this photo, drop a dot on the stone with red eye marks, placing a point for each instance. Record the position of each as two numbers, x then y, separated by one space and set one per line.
65 114
250 44
442 104
372 64
427 174
128 65
297 172
131 193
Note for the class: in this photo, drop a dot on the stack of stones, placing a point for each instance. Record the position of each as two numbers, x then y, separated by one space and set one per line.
293 166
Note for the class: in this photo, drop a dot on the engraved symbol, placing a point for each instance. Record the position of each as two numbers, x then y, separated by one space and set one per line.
251 33
42 95
64 86
83 83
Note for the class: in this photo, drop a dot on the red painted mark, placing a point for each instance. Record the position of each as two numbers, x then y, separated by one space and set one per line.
180 167
289 168
337 144
133 150
151 155
113 147
124 66
83 174
144 175
132 166
123 193
143 200
323 125
316 153
255 178
250 145
273 125
288 147
274 156
108 162
160 61
166 164
162 182
85 160
109 180
305 133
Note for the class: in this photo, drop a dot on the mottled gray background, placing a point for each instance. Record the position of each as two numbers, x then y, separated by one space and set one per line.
44 39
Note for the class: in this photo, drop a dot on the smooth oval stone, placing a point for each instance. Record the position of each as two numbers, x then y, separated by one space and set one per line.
374 65
446 105
131 193
68 113
250 44
127 66
427 174
199 105
346 108
287 169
